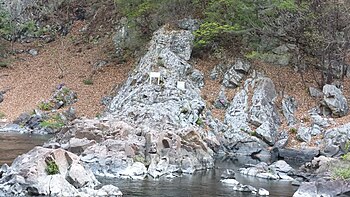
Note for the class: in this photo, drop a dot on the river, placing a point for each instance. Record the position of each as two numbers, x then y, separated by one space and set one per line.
201 184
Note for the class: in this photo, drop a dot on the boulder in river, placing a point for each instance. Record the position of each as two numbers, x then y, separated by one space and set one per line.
44 171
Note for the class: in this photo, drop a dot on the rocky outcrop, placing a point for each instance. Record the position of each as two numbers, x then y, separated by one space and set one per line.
334 101
116 149
297 156
277 170
289 106
155 123
237 186
335 140
155 105
316 93
323 188
263 112
235 73
244 114
44 171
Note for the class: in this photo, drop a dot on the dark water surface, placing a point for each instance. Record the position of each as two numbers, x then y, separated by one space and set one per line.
14 144
201 184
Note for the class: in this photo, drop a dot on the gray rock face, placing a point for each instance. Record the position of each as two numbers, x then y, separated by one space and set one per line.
24 11
304 134
298 156
144 103
217 71
276 171
335 101
323 188
21 8
289 106
122 37
221 102
263 113
237 186
123 151
314 92
336 137
239 117
235 74
318 165
198 78
189 24
33 52
319 120
30 174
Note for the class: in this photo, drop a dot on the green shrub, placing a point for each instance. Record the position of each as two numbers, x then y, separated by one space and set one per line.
54 122
346 157
45 105
88 82
199 121
347 146
342 173
6 28
52 168
2 115
293 130
253 133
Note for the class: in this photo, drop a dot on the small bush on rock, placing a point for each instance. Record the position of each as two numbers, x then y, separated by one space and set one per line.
342 173
54 122
45 105
346 157
52 168
293 130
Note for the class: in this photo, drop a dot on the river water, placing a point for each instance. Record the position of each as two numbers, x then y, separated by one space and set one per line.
201 184
14 144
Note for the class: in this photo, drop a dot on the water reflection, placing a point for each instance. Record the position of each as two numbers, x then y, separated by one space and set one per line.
204 184
14 144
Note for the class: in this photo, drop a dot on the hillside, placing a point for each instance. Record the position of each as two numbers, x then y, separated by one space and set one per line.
145 90
68 60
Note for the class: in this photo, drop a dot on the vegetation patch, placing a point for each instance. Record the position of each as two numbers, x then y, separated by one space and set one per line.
46 105
54 122
293 130
52 168
199 121
342 173
88 82
346 157
2 115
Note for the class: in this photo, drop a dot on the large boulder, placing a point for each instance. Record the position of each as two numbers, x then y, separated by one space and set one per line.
44 171
323 188
336 139
335 101
243 115
235 73
277 170
289 106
